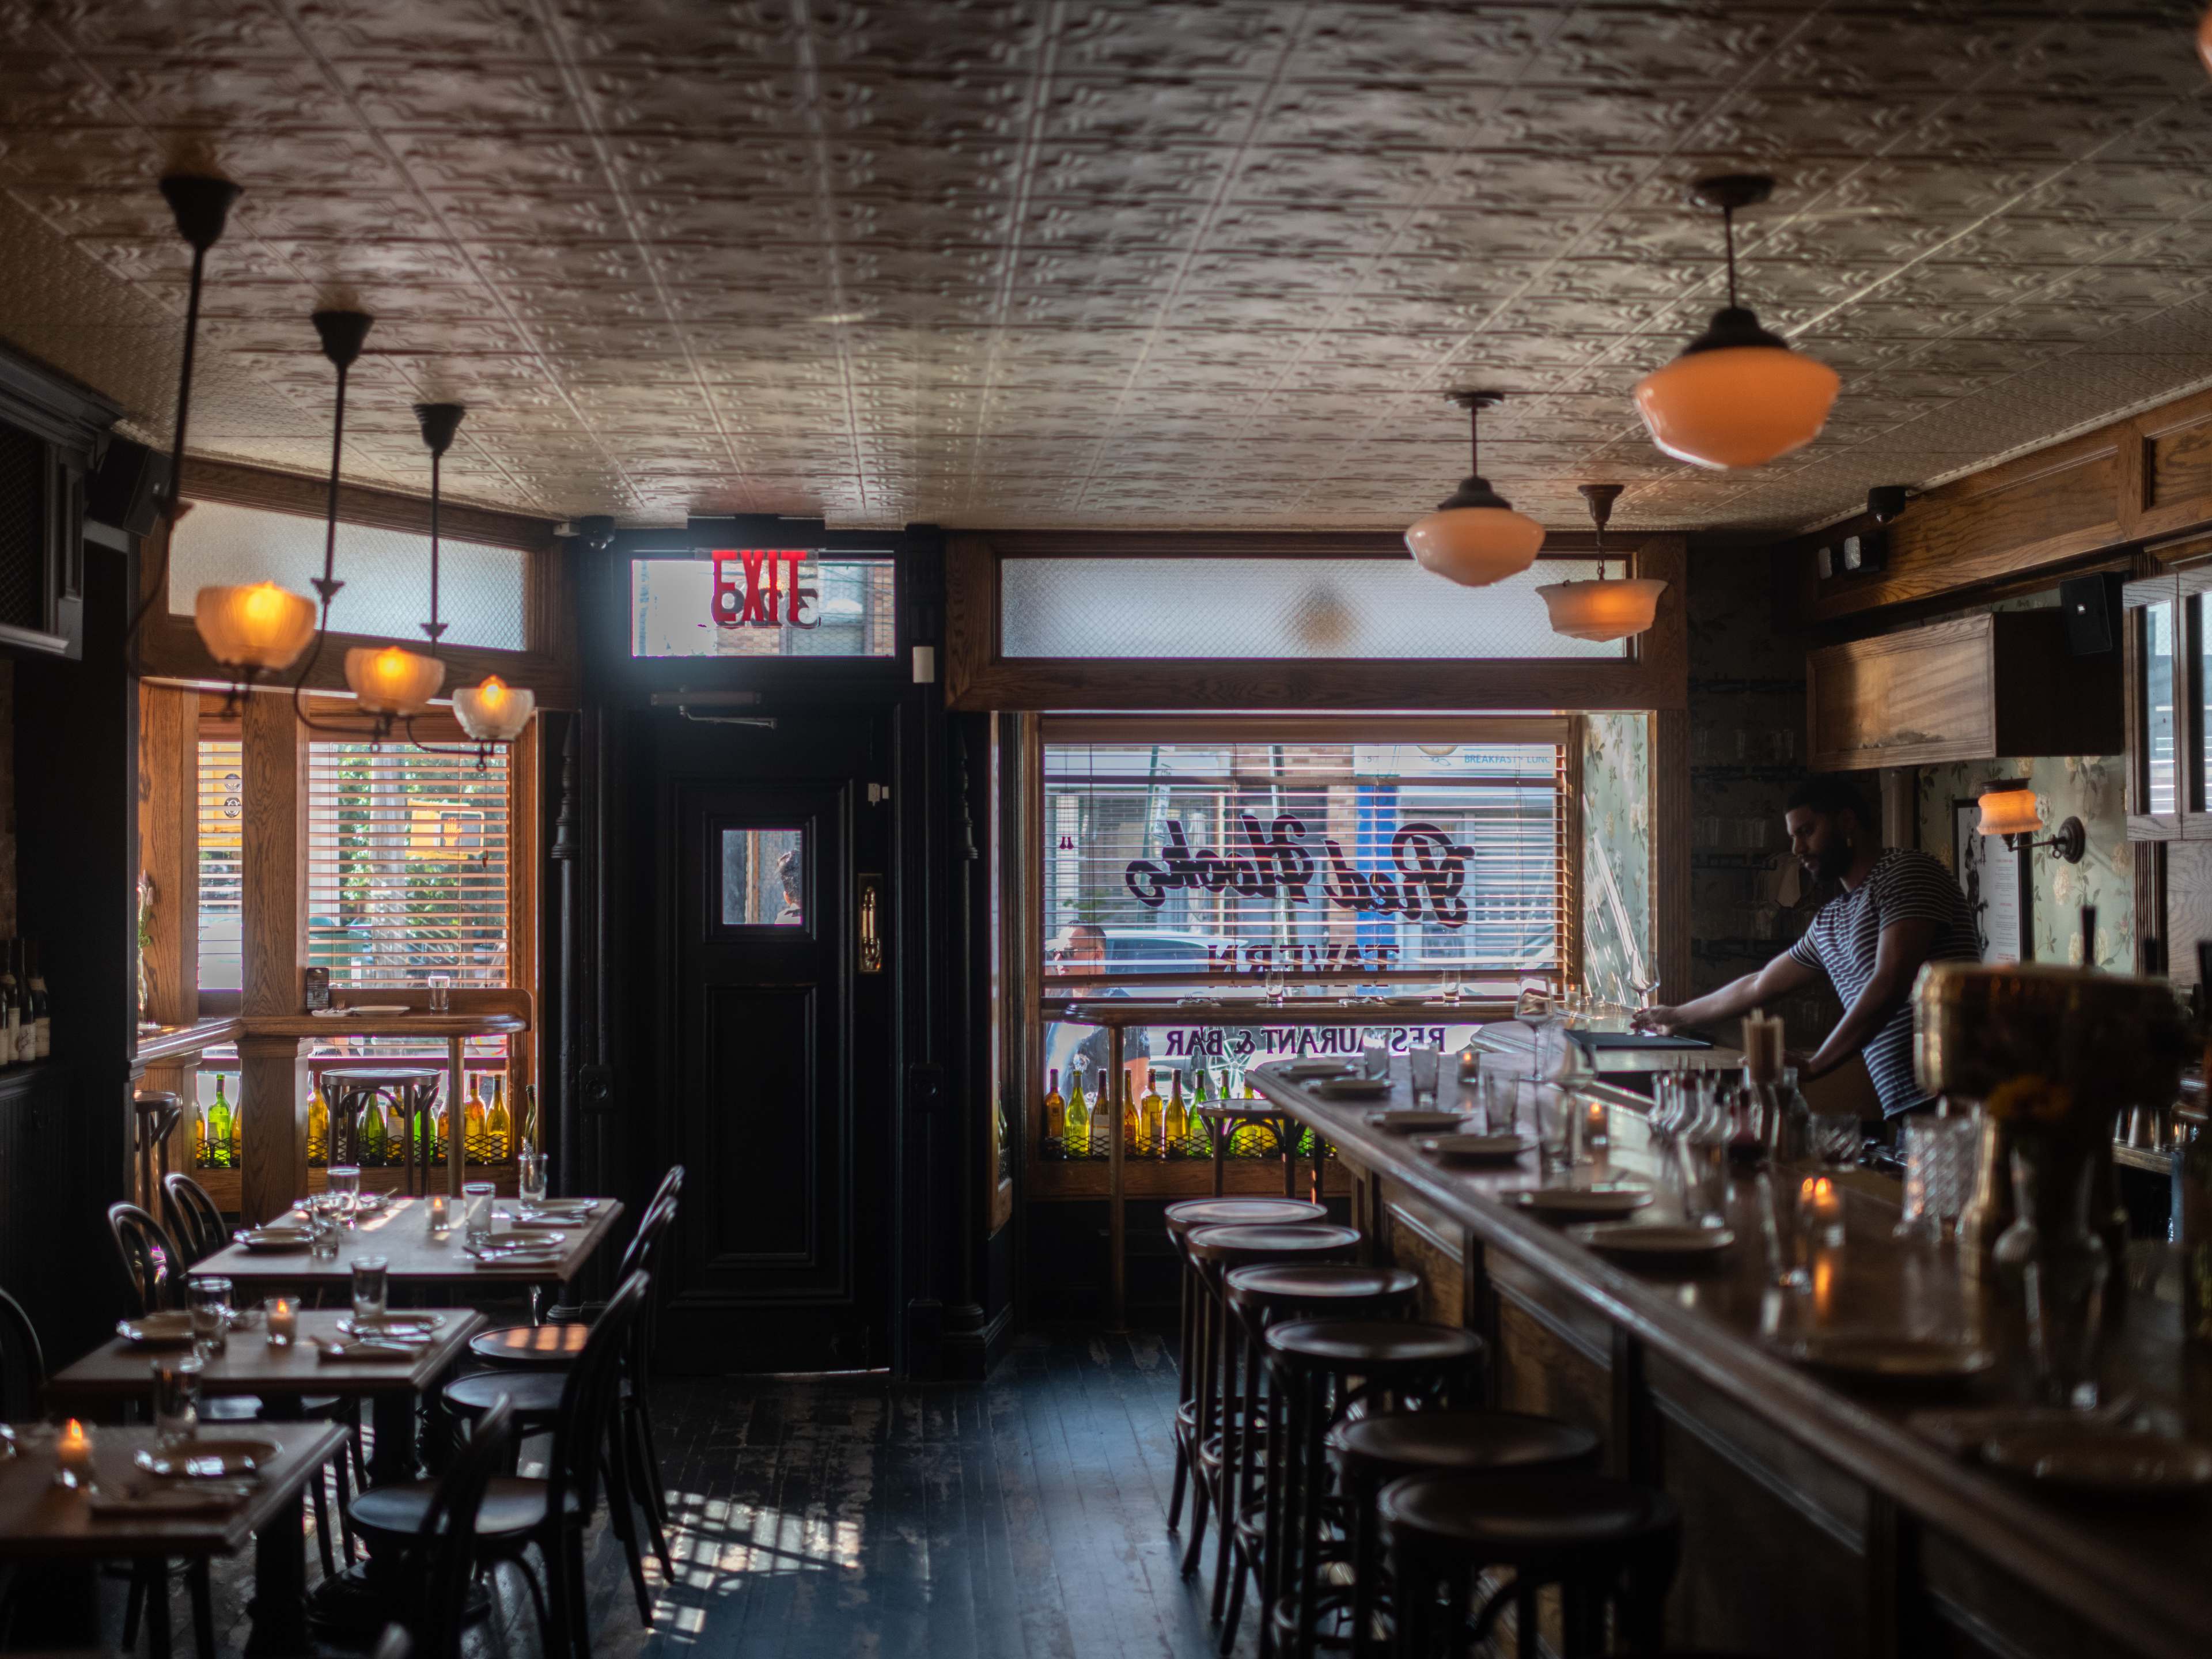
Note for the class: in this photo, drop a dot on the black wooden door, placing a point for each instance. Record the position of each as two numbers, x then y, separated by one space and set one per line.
773 861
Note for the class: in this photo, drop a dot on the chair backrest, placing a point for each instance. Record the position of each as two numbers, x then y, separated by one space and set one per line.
649 1245
588 1400
193 1216
394 1643
445 1556
636 1257
152 1265
671 1184
22 1363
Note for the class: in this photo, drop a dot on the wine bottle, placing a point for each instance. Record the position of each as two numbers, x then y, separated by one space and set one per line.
11 1005
1078 1136
1201 1132
319 1126
1152 1119
238 1136
1175 1129
375 1138
218 1127
1131 1117
1055 1118
472 1121
200 1158
499 1127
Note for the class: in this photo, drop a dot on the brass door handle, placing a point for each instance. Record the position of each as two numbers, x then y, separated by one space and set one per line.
872 943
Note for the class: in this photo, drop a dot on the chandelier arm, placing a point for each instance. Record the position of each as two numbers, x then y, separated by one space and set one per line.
1728 237
481 750
328 585
157 586
437 459
1474 441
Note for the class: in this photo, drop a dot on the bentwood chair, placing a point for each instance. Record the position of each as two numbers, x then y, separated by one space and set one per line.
152 1266
553 1513
442 1563
197 1223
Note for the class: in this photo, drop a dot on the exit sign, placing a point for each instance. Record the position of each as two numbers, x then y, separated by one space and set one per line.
764 587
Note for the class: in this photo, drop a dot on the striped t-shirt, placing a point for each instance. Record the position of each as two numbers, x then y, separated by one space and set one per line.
1901 887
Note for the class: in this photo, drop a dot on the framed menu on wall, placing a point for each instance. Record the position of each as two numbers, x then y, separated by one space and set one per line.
1994 878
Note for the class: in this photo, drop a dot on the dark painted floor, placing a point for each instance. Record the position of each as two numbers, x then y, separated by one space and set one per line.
1019 1516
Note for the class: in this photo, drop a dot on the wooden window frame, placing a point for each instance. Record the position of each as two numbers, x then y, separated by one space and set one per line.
1654 675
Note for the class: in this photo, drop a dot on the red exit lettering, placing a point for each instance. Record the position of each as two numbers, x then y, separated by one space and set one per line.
771 595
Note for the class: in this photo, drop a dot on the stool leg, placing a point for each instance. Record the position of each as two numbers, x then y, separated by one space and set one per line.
1241 1565
1359 1502
1416 1597
1273 1528
1237 1419
1311 1485
1202 1424
1221 1154
1527 1614
1184 1451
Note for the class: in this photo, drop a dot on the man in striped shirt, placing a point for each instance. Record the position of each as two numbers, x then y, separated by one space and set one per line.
1898 911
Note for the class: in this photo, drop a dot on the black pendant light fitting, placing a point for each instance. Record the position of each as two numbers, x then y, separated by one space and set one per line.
1474 489
1600 497
1734 325
341 334
440 423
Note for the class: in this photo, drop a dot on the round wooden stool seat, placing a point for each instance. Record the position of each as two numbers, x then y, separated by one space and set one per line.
531 1345
535 1395
1194 1213
1513 1520
1277 1286
1373 1451
1368 1346
1225 1248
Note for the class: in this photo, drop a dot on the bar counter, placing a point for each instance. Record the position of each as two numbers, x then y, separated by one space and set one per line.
1818 1520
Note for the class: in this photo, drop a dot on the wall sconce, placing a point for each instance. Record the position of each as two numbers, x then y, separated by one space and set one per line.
2009 810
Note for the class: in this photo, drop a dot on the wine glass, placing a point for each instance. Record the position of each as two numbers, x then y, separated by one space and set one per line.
1532 1008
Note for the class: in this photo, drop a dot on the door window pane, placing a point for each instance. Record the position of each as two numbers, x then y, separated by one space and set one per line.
762 602
2158 694
763 877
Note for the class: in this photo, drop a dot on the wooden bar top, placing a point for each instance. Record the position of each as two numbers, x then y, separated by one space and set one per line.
174 1041
2135 1571
1258 1011
349 1023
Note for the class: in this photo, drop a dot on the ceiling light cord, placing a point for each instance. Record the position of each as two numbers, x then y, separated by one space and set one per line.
327 585
1474 441
1727 240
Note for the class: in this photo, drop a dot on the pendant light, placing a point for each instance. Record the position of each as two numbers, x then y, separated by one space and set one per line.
390 681
1602 609
1475 538
1737 396
493 712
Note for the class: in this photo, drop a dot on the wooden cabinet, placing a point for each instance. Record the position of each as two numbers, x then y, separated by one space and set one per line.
1997 684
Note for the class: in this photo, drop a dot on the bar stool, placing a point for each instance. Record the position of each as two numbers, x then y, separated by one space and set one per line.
1215 1252
412 1092
1371 1452
1259 1297
1180 1219
153 1117
1599 1539
1325 1370
1224 1120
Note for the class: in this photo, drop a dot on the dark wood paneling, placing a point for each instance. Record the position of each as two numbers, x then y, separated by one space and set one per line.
765 1099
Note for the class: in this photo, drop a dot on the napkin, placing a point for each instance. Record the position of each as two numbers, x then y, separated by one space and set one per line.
373 1348
157 1498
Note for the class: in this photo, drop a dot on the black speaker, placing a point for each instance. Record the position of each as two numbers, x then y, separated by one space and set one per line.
2091 604
126 489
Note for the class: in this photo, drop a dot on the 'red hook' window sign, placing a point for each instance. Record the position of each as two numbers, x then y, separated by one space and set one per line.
770 594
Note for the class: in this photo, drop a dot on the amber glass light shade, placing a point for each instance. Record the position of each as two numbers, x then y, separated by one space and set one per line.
2204 39
1475 546
1738 405
390 679
260 626
1603 609
493 712
2009 812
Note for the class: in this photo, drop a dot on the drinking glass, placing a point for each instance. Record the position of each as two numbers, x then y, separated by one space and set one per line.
1532 1008
176 1399
1374 1059
529 1176
1782 1223
1837 1137
475 1213
1453 986
342 1182
370 1282
1421 1066
1703 1146
1554 1112
1499 1103
210 1305
1276 984
441 993
322 1228
1943 1158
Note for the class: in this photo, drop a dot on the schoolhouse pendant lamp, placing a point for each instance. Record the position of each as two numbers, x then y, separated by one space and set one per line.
493 712
1737 396
1602 609
1475 538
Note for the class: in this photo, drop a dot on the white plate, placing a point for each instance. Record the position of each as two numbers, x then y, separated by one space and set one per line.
1304 1070
271 1240
1353 1088
551 1207
207 1460
1477 1149
1409 1122
393 1324
1610 1199
156 1330
1888 1359
2104 1461
1658 1239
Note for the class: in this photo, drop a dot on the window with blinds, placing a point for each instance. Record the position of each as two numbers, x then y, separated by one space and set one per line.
1430 851
407 865
221 814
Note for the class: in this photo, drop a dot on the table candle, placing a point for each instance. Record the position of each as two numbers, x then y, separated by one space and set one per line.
441 1220
1822 1206
283 1321
73 1455
1594 1137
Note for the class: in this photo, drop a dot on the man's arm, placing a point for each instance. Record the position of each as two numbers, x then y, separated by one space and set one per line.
1778 979
1898 955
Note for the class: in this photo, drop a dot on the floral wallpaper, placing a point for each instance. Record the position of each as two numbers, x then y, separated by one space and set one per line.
2090 788
1616 840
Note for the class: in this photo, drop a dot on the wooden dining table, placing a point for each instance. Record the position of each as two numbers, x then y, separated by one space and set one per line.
67 1534
417 1258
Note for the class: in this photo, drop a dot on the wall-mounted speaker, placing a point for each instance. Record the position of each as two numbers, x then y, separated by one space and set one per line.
126 488
2091 604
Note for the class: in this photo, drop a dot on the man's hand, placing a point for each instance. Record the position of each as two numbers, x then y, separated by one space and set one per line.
1659 1018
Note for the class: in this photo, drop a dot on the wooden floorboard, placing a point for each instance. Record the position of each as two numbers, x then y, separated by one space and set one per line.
1024 1517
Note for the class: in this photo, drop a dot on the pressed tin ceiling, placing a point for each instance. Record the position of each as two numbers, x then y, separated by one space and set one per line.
1106 263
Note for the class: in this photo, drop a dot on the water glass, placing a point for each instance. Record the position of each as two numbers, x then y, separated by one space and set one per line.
1374 1059
1837 1137
1703 1155
1554 1112
1782 1224
475 1213
1942 1159
323 1229
210 1305
176 1399
1275 983
441 993
1421 1066
370 1281
529 1176
1452 987
1498 1090
342 1182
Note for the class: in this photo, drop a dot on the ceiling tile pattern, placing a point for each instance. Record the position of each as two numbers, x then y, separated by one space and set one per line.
1107 262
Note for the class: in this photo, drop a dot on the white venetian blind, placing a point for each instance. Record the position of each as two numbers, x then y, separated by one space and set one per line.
221 813
407 865
1339 859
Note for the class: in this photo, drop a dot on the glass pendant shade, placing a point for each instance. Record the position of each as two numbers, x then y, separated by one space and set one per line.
1475 546
390 679
1736 397
2204 39
493 712
2009 812
259 626
1603 609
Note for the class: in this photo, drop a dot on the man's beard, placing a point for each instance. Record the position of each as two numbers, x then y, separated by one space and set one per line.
1830 863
